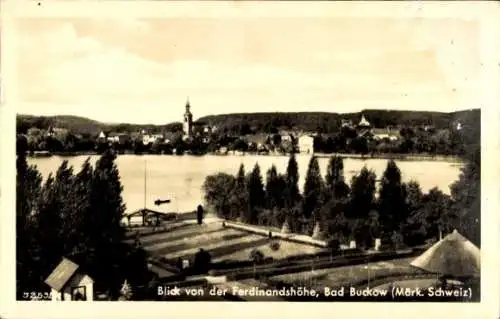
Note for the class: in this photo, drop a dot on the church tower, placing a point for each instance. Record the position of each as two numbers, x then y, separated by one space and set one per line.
187 126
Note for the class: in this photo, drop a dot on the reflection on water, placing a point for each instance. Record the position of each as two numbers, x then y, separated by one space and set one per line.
179 178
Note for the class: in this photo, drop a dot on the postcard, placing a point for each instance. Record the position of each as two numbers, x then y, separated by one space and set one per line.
177 157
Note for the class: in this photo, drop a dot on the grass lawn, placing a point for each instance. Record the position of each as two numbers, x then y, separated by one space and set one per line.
185 231
217 245
192 240
286 249
349 275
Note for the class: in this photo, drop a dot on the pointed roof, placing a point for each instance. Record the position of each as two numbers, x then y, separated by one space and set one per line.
286 227
454 255
363 121
62 274
317 232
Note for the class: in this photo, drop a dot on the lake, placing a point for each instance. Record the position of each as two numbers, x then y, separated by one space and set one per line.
180 178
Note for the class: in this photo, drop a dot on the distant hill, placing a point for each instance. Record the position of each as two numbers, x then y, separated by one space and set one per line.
247 123
330 122
83 125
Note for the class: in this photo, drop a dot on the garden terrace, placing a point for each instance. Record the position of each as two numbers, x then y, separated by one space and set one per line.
183 240
359 275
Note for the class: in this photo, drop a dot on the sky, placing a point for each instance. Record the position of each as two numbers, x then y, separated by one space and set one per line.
143 70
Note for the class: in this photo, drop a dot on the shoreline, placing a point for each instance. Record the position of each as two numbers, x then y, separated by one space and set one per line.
400 157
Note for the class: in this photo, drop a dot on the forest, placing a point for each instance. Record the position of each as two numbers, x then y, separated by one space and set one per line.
322 122
73 214
398 213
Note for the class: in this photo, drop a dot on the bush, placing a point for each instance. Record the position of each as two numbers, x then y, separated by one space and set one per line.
397 240
275 246
334 244
256 256
202 261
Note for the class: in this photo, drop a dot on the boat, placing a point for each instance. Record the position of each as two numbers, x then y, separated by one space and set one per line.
42 154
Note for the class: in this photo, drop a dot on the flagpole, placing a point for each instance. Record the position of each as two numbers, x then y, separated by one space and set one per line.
145 184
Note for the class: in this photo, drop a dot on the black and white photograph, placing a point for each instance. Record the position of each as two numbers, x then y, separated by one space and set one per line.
249 157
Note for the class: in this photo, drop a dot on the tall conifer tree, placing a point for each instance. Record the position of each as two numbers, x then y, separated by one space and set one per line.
28 188
392 198
256 194
466 193
362 194
313 189
335 182
292 193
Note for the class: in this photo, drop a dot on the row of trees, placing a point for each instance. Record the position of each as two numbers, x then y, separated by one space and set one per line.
73 215
342 142
443 142
400 214
323 122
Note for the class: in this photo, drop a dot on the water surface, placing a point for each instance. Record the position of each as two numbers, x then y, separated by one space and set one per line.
180 178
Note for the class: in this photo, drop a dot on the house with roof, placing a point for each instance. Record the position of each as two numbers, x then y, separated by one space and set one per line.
103 136
120 138
56 131
68 282
391 134
306 144
287 138
257 140
363 123
346 123
152 138
146 217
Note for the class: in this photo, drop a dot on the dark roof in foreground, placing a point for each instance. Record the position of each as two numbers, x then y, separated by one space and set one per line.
62 274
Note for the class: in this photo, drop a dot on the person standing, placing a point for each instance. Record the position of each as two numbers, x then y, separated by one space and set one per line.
199 214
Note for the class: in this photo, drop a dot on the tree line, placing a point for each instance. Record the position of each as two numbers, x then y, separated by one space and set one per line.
326 122
401 214
412 141
75 215
231 130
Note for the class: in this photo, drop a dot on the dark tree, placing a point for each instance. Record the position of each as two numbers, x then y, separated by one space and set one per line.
392 198
83 218
28 188
438 212
275 185
414 228
466 193
240 197
218 192
362 194
359 145
108 208
54 216
335 183
256 194
313 189
292 193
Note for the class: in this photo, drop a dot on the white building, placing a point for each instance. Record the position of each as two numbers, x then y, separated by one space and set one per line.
152 138
381 134
118 138
306 144
69 283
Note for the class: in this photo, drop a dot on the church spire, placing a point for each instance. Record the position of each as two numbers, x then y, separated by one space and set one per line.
188 121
